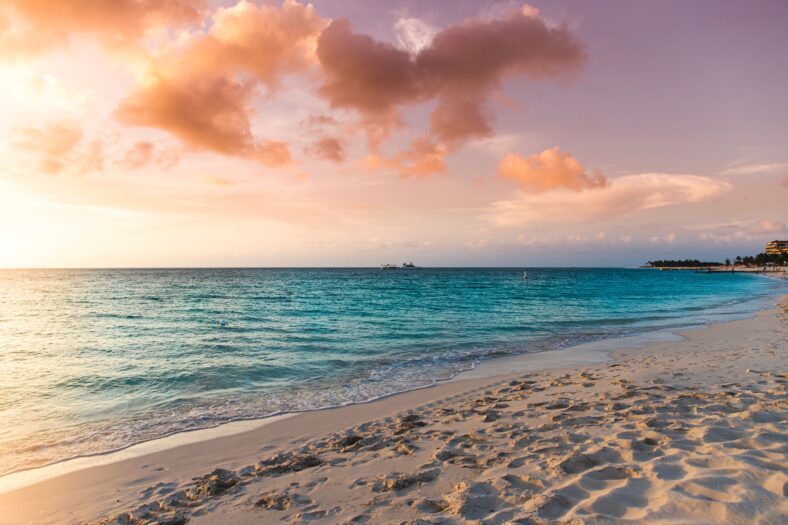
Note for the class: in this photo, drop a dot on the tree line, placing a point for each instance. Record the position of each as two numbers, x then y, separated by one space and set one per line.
673 263
762 259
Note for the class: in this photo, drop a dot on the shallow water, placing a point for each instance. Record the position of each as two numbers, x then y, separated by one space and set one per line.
95 360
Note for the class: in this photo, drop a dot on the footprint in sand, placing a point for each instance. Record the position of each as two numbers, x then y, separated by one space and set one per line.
712 488
430 506
627 502
274 502
577 464
523 483
473 501
555 506
308 516
669 471
718 434
159 489
777 484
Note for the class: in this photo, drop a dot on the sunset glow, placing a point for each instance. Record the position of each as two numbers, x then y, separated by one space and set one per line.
251 133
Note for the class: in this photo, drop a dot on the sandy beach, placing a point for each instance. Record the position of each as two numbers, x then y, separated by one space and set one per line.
393 262
689 431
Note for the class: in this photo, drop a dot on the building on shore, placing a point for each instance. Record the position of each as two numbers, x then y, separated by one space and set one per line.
776 247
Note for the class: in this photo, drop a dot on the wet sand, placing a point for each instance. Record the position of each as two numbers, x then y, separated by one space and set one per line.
673 432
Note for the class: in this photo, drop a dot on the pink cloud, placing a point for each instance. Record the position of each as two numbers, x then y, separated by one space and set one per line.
267 41
272 153
622 196
143 153
423 158
466 62
737 231
755 169
549 170
202 87
766 226
59 148
204 112
327 148
318 121
31 26
195 90
670 238
460 68
218 181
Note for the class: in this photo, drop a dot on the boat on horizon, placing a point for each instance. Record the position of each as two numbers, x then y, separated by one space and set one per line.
405 266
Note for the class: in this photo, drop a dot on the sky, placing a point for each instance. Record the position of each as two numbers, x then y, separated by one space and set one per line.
179 133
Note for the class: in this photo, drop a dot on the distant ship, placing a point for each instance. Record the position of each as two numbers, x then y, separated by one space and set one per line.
405 266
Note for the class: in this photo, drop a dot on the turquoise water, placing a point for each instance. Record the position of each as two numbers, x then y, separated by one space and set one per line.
95 360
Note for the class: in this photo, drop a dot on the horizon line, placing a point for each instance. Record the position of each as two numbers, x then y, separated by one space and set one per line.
299 267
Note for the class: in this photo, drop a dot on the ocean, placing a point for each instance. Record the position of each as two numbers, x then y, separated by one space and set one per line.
97 360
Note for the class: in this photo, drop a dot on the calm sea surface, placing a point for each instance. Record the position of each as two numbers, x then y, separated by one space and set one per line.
95 360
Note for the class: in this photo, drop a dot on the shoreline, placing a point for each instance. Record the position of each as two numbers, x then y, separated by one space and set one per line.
186 460
596 351
583 354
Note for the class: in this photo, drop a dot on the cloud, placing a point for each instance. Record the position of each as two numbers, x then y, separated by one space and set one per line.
203 85
53 142
500 9
461 116
218 181
143 153
272 153
529 10
210 113
466 62
328 148
367 76
622 196
59 148
765 226
549 170
751 169
665 239
91 158
267 41
318 121
204 112
423 158
459 68
413 34
32 26
736 231
201 89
